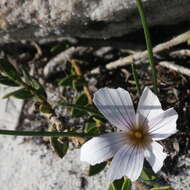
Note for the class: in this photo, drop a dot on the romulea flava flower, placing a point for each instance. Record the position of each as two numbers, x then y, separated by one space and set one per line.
136 136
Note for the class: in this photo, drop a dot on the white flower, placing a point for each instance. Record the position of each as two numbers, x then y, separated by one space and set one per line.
136 134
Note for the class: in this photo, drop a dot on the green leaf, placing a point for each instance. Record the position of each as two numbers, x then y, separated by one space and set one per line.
127 185
25 73
60 148
91 128
99 118
117 184
147 175
161 188
20 94
6 81
81 100
31 81
38 87
93 170
68 81
9 69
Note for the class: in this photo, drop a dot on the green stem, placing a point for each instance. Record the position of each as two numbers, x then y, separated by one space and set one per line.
148 43
44 134
136 79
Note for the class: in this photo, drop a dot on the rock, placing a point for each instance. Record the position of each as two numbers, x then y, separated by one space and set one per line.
28 166
99 19
10 109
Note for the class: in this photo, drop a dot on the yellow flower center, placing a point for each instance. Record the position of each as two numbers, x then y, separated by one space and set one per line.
138 134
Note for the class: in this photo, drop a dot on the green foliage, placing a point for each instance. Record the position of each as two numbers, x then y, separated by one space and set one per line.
32 82
121 184
8 69
81 100
40 91
161 188
60 146
68 81
93 170
91 128
147 175
127 185
8 82
20 94
78 84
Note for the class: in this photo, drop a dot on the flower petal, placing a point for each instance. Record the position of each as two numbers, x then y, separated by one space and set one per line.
128 161
164 125
149 106
155 156
101 148
116 105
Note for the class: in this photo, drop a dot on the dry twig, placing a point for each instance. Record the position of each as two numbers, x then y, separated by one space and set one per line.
175 67
143 55
182 53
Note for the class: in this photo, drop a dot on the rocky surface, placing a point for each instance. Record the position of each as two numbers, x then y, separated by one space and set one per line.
37 19
27 165
10 109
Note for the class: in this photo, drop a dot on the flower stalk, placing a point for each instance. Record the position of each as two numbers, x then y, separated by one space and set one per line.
134 71
44 134
148 43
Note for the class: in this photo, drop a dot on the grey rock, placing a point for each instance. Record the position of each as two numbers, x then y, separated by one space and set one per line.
42 19
10 109
28 166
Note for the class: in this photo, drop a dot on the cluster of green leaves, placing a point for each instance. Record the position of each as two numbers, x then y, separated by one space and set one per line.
29 87
121 184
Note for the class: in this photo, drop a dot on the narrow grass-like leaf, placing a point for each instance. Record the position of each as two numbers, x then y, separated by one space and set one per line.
19 94
8 82
148 43
161 188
